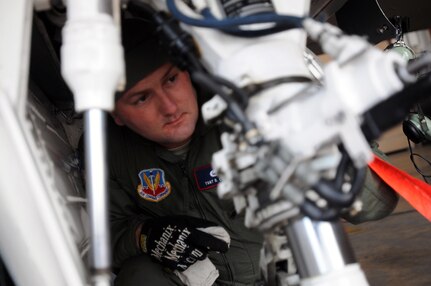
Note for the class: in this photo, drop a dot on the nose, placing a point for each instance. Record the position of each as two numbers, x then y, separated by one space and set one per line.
167 103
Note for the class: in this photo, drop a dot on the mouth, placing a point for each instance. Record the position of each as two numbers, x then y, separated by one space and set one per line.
176 121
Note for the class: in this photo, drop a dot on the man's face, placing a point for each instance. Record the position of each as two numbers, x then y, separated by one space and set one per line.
162 107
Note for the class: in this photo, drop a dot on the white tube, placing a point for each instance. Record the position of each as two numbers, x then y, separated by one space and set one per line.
93 65
92 56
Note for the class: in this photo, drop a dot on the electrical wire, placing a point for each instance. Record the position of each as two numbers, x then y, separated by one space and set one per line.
412 158
209 82
241 95
254 33
255 88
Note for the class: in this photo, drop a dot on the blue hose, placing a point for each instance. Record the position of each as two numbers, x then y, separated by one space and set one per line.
289 21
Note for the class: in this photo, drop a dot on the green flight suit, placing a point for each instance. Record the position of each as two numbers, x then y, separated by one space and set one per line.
185 188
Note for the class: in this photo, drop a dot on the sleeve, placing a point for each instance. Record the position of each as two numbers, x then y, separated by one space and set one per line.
124 220
378 199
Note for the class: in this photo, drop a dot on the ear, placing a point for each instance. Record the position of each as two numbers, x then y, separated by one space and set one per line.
117 118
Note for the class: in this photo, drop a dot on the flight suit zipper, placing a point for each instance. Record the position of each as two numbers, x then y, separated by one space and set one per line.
202 213
196 199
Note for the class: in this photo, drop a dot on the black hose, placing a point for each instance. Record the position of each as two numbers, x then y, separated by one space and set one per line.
241 95
255 33
330 191
181 45
208 82
254 88
376 120
178 42
314 212
342 166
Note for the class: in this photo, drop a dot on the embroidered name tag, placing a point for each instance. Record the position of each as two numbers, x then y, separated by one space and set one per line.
205 177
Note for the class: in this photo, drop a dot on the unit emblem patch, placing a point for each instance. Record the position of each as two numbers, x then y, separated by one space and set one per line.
153 186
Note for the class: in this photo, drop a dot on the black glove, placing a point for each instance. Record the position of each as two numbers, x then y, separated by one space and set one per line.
175 241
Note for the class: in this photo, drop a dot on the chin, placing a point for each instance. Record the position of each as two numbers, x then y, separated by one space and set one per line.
180 139
180 135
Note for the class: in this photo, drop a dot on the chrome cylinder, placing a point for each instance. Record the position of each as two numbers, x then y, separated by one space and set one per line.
96 184
319 247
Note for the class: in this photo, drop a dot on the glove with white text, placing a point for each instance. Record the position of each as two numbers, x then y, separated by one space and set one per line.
179 241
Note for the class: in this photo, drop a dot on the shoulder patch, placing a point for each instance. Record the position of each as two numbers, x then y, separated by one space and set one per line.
205 177
153 186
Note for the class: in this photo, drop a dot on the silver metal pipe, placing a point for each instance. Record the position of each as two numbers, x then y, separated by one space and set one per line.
319 247
96 185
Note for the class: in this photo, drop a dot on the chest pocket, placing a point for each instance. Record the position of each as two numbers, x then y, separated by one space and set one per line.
205 178
206 182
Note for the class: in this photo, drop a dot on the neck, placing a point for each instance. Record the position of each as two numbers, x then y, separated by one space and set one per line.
181 150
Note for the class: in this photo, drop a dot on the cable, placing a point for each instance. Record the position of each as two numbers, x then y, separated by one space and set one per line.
338 180
252 89
314 212
209 82
254 33
292 21
412 155
242 95
278 27
376 120
329 190
178 42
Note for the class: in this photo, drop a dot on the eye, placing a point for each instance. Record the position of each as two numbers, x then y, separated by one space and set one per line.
141 99
172 78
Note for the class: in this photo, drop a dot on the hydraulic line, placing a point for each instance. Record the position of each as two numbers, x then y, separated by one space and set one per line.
291 21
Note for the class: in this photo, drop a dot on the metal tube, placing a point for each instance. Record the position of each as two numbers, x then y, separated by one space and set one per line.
96 184
92 65
319 247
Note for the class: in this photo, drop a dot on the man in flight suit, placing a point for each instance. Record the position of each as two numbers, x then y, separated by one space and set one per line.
163 195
